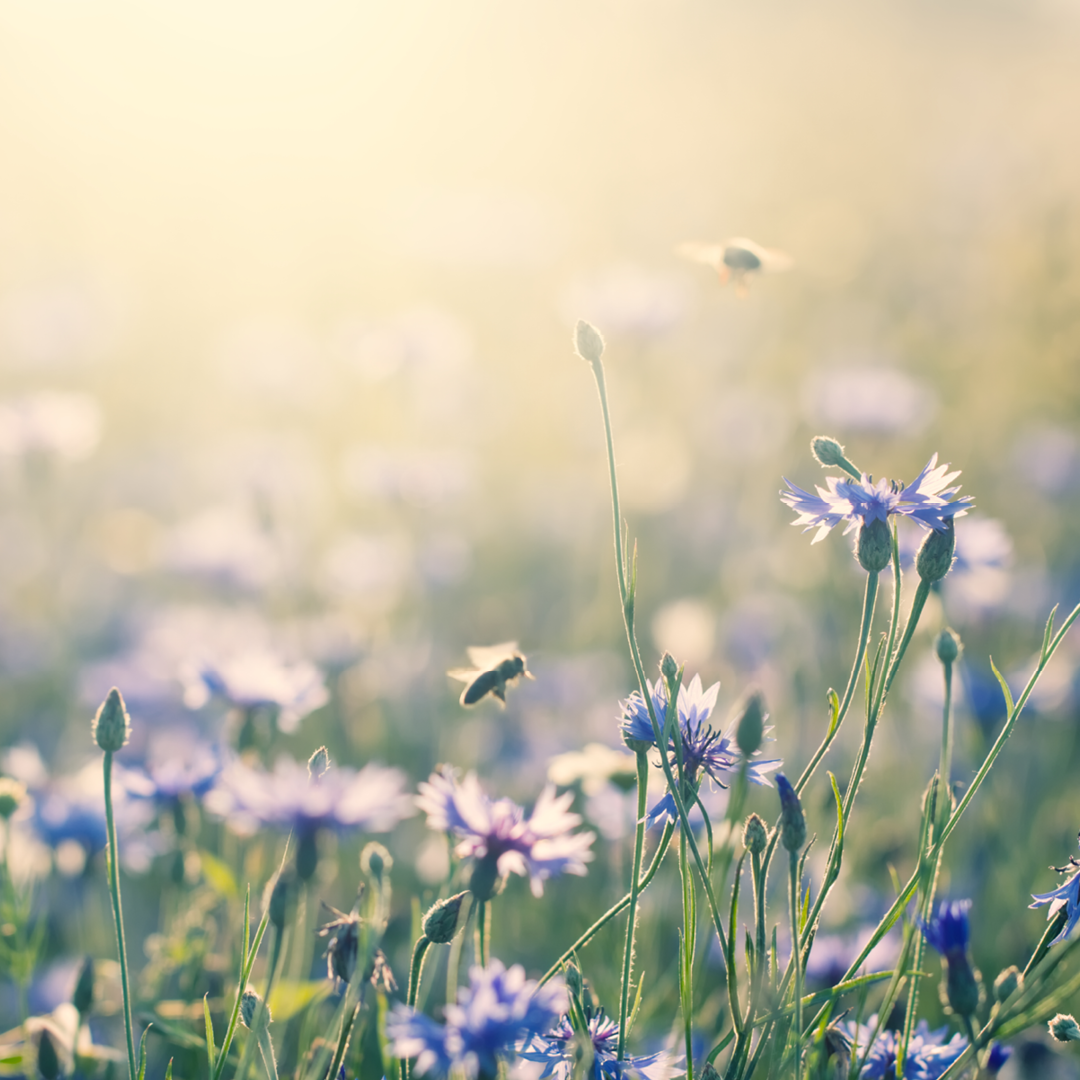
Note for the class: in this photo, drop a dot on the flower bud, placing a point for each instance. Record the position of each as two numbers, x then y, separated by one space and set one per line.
343 949
962 989
708 1071
873 547
755 835
948 646
307 855
12 796
935 555
440 924
588 343
792 819
668 667
83 998
1064 1028
827 451
574 982
111 725
48 1063
750 727
484 880
318 764
282 901
249 1005
1012 978
376 861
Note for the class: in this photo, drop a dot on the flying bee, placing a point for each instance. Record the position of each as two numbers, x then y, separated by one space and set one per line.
494 668
735 259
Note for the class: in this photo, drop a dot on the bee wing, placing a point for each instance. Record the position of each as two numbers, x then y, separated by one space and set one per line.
709 254
490 656
464 674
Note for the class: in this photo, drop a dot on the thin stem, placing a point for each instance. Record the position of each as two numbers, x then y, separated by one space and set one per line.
481 932
635 890
796 959
114 890
686 981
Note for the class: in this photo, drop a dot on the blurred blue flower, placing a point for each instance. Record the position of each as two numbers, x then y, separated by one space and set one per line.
998 1056
174 767
928 1054
1065 896
705 751
557 1051
494 1014
371 800
497 832
258 678
925 500
948 931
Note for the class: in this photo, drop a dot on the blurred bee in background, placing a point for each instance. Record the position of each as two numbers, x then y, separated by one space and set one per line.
494 668
736 259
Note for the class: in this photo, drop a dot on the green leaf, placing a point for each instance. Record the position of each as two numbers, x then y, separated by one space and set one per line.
834 710
211 1049
168 1070
839 810
637 1004
1048 632
218 875
1004 687
142 1053
291 996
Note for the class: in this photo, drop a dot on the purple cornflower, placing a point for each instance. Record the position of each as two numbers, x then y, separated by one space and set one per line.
371 800
998 1056
928 1055
174 768
497 834
494 1014
705 750
860 502
557 1051
948 932
1066 895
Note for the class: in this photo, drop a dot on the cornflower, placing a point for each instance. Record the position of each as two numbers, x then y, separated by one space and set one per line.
500 837
496 1012
928 1054
948 932
1066 895
705 750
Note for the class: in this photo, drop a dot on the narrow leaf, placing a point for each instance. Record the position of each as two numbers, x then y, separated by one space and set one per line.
1004 687
142 1053
1048 633
834 710
636 1006
211 1048
839 811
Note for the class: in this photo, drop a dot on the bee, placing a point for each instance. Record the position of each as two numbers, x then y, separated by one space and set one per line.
495 667
735 259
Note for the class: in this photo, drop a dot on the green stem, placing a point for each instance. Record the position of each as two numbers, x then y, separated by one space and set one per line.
481 932
114 890
416 971
686 981
635 891
796 959
615 909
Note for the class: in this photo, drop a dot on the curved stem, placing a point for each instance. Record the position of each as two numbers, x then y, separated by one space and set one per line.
635 890
114 890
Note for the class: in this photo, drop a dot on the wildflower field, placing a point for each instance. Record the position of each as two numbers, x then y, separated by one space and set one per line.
539 542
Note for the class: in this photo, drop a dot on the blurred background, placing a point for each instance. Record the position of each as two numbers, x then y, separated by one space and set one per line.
286 294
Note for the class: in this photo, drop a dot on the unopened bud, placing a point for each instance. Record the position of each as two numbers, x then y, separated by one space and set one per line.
827 451
755 835
574 982
307 855
376 861
588 343
750 727
935 555
319 763
962 989
792 819
83 998
948 646
1009 980
441 921
484 880
282 901
709 1072
249 1006
873 547
668 667
112 725
12 796
1064 1028
47 1061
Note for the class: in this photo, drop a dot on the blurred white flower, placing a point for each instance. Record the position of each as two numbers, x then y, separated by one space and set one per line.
1048 456
225 545
686 629
371 568
868 399
628 299
61 324
67 425
594 767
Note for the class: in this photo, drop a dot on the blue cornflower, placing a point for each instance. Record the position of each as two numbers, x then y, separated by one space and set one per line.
705 751
998 1056
497 834
175 768
499 1010
557 1051
860 502
928 1055
948 932
1066 895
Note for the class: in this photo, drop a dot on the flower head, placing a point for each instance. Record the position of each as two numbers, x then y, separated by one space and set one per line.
557 1051
928 1054
705 750
1067 896
497 1011
497 833
948 932
175 767
860 502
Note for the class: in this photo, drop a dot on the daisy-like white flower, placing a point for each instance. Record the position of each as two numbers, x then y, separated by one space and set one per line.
496 1012
1067 896
557 1051
928 1054
705 750
500 837
927 500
